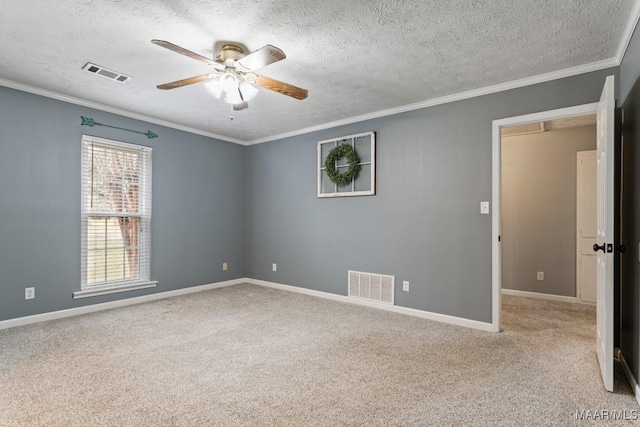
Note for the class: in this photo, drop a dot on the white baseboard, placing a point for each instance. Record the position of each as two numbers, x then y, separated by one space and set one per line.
630 377
36 318
444 318
541 296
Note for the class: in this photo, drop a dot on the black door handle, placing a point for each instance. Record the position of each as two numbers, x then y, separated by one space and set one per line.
609 248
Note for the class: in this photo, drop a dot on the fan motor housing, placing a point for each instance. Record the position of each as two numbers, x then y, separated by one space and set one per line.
229 52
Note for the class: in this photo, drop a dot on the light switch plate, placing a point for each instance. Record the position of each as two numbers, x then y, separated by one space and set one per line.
484 208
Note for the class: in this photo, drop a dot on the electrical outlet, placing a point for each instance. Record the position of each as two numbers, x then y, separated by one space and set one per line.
274 267
540 275
29 293
405 286
225 266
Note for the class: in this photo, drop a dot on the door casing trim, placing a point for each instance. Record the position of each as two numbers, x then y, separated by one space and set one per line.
496 251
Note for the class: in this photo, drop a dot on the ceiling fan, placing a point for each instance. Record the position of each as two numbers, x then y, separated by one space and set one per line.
233 78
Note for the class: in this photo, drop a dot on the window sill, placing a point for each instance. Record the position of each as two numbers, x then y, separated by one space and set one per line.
113 289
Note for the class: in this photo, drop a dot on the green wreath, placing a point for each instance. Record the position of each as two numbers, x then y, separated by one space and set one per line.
346 151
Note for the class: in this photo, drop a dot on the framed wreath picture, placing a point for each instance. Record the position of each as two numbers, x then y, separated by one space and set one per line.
347 166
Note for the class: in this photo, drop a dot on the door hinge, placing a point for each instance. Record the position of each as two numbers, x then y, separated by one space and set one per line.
498 237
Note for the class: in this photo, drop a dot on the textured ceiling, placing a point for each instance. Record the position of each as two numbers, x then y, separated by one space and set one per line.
355 57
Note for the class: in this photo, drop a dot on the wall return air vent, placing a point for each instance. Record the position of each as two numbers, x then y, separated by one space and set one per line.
106 73
372 287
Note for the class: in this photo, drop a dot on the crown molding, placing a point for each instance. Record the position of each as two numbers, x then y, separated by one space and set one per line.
514 84
108 109
501 87
634 17
628 31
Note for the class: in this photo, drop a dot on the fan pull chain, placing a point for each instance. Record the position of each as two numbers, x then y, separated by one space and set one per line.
231 114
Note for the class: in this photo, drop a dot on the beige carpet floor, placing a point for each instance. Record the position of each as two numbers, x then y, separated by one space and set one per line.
248 355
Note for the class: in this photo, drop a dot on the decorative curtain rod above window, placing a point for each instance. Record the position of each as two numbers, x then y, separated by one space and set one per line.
88 121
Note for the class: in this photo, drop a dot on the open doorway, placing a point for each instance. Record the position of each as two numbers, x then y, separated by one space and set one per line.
548 167
525 128
607 242
548 209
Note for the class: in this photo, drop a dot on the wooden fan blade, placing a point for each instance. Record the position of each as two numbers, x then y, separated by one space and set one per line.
185 52
282 87
264 56
185 82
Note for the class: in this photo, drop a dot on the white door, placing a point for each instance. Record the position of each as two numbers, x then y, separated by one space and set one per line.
586 230
604 247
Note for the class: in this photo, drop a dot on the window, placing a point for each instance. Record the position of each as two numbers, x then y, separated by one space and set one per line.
116 217
365 183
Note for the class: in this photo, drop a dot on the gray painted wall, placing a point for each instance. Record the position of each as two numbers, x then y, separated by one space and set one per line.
424 225
630 278
214 202
198 204
630 67
539 209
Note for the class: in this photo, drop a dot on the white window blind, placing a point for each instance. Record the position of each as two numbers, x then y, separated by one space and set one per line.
116 214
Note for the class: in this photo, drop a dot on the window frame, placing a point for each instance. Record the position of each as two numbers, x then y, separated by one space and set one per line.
143 280
372 162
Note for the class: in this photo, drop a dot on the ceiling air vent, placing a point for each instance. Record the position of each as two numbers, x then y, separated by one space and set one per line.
524 129
106 73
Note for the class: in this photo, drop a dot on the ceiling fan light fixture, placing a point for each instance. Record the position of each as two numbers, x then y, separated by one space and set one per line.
233 97
234 80
229 82
248 90
215 88
228 88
